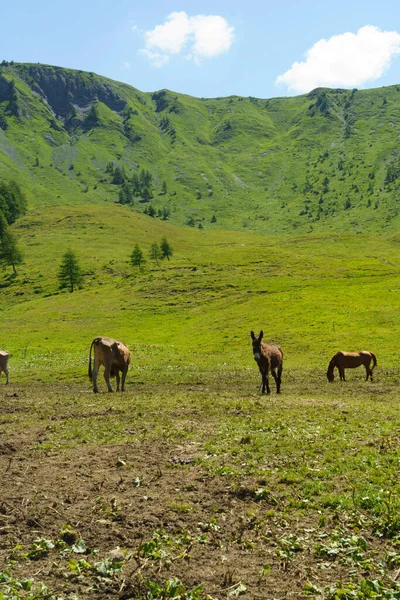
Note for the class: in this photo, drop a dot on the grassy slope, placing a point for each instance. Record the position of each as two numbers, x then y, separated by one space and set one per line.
320 457
197 310
273 166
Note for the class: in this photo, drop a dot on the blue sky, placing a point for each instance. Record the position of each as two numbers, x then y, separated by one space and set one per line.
211 48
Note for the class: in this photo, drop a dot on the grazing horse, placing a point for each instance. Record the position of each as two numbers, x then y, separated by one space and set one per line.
350 360
269 357
114 356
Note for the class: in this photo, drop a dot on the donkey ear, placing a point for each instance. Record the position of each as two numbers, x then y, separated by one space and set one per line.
252 335
261 335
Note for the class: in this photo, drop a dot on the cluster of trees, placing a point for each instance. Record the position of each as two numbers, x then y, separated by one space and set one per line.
70 273
12 206
161 213
157 252
138 185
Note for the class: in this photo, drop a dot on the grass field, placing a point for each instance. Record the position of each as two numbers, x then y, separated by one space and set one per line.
191 478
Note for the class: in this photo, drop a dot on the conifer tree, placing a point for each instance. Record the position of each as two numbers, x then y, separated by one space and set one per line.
155 252
10 254
166 248
70 272
137 257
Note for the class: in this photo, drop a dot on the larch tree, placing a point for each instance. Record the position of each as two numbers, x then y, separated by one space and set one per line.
70 272
137 257
10 254
155 253
166 248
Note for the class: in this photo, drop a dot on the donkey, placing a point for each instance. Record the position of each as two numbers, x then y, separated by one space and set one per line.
269 357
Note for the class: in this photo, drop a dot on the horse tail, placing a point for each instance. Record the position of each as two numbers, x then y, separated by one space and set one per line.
374 360
90 361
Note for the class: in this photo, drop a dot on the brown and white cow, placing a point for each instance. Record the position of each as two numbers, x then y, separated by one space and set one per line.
4 364
114 356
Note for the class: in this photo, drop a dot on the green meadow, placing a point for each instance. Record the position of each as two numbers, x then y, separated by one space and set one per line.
191 484
311 294
282 216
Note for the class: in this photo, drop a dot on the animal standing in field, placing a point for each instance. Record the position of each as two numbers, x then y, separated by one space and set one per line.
269 358
350 360
115 358
4 364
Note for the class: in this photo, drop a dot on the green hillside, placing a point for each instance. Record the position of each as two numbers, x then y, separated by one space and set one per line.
282 215
325 161
193 314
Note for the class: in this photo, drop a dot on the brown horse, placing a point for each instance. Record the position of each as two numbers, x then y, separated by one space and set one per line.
350 360
269 358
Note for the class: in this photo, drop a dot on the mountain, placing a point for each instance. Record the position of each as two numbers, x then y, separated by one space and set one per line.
325 161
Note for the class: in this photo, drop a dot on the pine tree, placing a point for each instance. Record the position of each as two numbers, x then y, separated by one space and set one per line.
137 257
70 273
155 252
166 248
10 254
3 225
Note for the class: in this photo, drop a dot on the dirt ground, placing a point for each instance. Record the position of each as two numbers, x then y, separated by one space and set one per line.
211 530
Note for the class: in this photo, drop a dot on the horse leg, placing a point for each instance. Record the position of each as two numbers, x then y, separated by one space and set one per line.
277 382
264 380
117 377
7 376
267 383
341 373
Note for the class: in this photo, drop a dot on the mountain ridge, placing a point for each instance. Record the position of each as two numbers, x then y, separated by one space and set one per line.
323 161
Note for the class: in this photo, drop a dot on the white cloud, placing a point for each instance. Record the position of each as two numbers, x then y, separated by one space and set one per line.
347 60
201 37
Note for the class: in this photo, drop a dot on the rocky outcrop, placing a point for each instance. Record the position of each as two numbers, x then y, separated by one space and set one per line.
64 89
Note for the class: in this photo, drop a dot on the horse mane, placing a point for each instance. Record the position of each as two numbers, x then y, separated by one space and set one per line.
332 364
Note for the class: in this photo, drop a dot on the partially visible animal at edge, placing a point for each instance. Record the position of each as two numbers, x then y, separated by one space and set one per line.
115 358
351 360
4 364
269 358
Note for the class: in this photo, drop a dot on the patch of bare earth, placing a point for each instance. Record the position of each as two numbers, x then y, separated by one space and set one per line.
118 497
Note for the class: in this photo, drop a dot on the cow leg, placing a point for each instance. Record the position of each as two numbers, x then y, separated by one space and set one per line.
279 379
124 372
107 379
95 372
117 377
